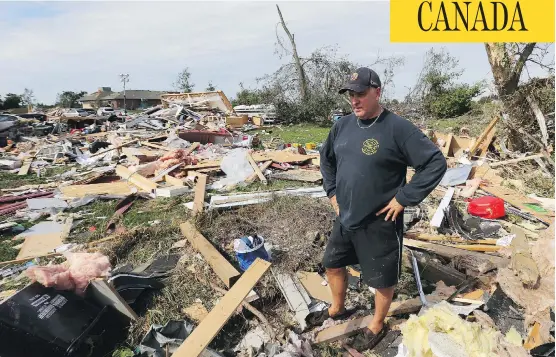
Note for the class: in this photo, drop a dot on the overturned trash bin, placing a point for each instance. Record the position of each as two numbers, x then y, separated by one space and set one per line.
41 321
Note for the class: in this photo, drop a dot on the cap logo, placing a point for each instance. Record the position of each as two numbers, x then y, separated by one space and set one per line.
354 76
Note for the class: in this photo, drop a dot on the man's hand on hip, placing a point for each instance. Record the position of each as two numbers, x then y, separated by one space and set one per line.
335 205
392 210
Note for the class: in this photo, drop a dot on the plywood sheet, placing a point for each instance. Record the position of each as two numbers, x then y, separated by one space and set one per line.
312 282
40 244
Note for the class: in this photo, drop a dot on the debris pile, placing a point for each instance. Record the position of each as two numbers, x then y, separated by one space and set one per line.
170 219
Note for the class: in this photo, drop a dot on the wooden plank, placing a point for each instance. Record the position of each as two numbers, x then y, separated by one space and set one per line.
299 175
24 169
450 252
204 333
136 179
441 238
174 181
105 293
476 247
474 295
513 161
200 187
256 169
483 148
254 175
112 188
225 271
518 200
40 244
483 136
192 148
155 146
534 339
436 220
312 282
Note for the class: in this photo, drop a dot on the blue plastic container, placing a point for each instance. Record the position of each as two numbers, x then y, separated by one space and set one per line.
248 256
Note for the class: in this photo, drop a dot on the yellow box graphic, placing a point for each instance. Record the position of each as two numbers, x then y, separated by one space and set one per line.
472 21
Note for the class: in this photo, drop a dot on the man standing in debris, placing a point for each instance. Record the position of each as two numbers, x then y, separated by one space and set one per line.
364 164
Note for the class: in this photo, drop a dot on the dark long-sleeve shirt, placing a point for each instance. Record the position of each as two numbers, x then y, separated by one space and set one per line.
366 167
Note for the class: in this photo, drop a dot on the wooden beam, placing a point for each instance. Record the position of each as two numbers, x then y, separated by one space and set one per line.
225 271
477 247
155 146
258 171
190 149
136 179
449 252
200 187
112 188
255 174
205 332
483 136
513 161
441 238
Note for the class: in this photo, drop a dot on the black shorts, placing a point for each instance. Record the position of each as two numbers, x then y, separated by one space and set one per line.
376 247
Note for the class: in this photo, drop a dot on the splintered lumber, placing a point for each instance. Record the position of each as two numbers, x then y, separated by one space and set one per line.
192 148
540 119
484 136
256 169
518 200
254 175
436 220
114 188
204 333
519 159
448 145
222 267
155 146
136 179
199 199
450 252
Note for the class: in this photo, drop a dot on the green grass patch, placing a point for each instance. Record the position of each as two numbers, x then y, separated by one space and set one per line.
13 180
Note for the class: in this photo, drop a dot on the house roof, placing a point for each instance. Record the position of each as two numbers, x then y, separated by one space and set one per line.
136 94
95 96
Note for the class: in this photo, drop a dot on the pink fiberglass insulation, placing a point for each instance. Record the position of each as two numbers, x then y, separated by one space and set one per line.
74 274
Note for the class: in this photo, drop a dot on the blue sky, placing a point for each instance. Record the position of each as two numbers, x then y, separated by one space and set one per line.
55 46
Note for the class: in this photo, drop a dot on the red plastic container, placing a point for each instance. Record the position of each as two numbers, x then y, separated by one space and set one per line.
487 207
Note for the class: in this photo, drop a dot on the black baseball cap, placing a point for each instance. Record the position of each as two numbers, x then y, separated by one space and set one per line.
361 80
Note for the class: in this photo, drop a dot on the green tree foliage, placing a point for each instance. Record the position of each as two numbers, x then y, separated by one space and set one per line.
210 87
183 82
12 101
68 99
437 89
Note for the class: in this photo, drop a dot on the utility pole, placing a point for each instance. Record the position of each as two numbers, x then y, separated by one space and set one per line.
124 78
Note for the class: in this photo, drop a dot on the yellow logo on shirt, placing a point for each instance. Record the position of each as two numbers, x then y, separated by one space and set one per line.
370 147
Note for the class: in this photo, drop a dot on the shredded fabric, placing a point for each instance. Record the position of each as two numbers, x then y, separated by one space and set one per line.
74 274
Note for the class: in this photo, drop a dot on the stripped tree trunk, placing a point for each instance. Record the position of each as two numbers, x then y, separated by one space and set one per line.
300 72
